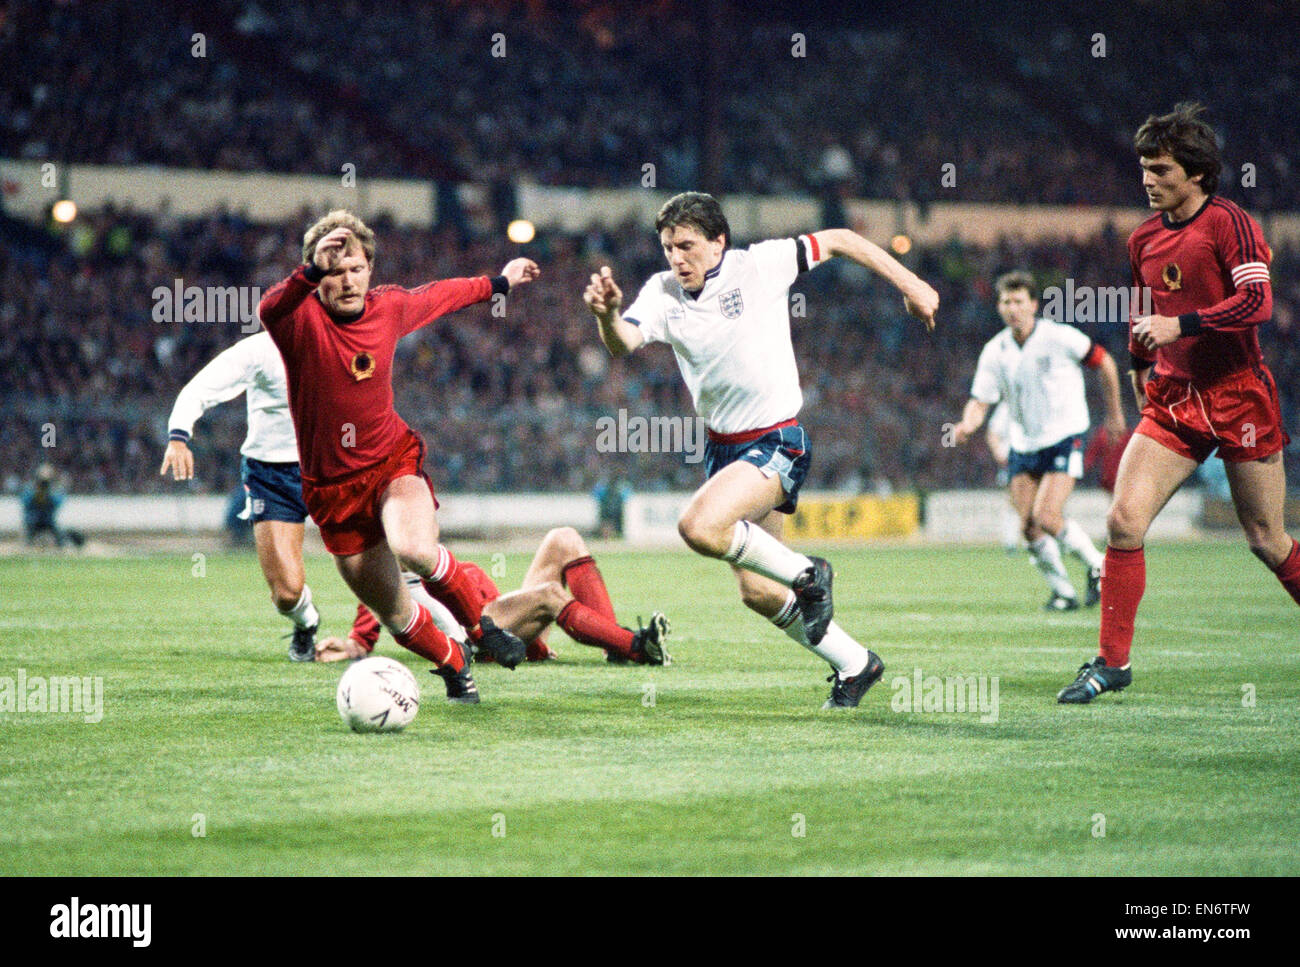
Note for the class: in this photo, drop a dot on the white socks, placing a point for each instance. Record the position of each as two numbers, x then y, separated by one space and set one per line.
304 613
1047 556
845 655
754 549
1074 540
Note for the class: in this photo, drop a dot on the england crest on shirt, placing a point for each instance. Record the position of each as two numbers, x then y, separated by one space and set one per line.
731 304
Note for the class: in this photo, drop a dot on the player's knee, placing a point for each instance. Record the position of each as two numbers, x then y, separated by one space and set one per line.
413 553
1123 526
565 543
702 535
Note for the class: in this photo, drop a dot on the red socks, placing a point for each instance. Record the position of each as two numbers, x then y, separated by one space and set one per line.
1123 580
1289 572
424 638
588 626
365 628
453 586
584 580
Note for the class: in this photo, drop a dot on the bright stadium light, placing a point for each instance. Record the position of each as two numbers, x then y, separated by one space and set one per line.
64 211
901 244
521 231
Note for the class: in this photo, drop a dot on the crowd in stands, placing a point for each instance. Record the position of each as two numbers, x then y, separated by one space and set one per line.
512 403
1026 108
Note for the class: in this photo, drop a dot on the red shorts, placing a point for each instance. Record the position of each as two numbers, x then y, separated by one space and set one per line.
346 508
1239 414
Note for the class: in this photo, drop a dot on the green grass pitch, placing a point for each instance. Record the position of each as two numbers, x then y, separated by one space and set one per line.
722 763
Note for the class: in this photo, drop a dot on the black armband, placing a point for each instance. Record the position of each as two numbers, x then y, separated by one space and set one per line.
500 285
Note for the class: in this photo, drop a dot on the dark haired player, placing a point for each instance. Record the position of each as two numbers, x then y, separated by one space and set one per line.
1199 377
362 467
726 314
563 586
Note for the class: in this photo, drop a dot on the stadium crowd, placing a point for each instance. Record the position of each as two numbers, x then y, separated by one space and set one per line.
507 403
577 93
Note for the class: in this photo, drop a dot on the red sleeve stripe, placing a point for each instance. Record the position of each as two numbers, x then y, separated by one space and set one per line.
1095 355
814 249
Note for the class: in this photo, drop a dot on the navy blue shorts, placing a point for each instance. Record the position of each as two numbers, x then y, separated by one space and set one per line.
1063 457
274 491
783 451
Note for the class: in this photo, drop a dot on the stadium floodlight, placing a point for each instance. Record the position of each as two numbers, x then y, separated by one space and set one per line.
64 211
521 231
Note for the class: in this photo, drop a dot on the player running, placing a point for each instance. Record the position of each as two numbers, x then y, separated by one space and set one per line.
1034 367
725 313
268 467
362 467
563 586
1205 263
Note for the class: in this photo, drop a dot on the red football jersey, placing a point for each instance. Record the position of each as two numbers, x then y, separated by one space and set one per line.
1211 271
341 373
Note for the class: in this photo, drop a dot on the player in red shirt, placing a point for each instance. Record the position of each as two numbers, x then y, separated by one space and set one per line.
563 586
362 467
1200 380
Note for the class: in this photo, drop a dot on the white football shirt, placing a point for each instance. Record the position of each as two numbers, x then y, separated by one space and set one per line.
732 338
1041 383
252 366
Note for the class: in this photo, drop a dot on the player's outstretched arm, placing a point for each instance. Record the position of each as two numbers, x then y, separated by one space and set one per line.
919 297
972 418
604 298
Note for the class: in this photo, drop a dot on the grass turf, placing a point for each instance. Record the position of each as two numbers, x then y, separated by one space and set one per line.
722 763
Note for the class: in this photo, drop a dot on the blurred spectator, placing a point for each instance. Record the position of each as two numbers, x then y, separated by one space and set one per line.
41 501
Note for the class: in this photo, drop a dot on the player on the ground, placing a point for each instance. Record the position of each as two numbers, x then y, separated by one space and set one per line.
1199 378
725 312
269 468
1035 367
362 467
563 586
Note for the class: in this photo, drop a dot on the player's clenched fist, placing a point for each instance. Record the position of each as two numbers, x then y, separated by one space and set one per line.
518 271
602 296
922 302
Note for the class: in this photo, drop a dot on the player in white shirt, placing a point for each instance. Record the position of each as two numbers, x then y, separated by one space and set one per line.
725 312
269 469
1034 367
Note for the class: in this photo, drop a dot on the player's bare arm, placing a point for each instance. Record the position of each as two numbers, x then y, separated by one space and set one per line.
604 298
972 418
179 459
919 297
1109 374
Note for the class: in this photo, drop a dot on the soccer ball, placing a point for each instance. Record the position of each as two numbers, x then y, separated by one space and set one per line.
378 695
